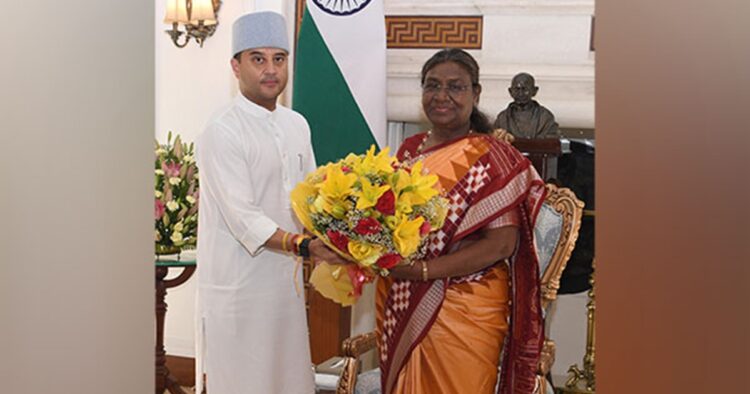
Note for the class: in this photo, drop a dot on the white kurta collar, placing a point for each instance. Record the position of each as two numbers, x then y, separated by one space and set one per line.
252 108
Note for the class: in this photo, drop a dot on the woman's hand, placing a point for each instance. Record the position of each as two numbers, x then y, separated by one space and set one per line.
319 253
504 135
493 245
407 272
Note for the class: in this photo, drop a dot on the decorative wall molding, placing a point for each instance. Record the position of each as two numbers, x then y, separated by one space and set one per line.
421 31
485 7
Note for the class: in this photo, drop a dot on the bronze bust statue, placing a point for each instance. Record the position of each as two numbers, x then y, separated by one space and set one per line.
524 117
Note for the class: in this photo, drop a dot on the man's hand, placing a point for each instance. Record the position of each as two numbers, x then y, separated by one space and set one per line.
319 252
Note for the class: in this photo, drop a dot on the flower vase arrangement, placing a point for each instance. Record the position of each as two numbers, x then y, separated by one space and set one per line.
372 210
175 196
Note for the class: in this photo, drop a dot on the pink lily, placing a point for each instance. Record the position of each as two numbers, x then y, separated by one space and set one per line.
171 169
159 209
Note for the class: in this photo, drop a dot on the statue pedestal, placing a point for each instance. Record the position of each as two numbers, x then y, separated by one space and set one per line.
543 154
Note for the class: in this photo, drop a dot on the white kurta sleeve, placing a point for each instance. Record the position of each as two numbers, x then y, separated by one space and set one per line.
225 175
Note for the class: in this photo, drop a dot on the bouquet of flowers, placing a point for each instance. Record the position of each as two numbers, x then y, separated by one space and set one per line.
176 196
372 210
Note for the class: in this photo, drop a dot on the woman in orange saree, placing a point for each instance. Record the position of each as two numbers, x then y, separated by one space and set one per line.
445 324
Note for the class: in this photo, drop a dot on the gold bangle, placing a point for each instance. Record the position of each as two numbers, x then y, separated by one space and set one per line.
283 241
424 271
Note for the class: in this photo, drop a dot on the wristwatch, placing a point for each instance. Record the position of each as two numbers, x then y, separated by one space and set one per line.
304 248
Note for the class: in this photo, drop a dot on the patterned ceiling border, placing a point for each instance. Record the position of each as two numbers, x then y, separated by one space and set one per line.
423 31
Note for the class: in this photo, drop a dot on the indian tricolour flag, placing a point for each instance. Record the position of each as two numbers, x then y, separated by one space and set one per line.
340 77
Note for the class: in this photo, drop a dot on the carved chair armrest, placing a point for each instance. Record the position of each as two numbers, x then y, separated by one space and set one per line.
354 347
547 358
359 345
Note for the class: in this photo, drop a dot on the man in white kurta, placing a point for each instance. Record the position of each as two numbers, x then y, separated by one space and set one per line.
254 322
251 155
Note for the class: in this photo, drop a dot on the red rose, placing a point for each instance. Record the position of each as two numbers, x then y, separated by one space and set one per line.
367 226
386 203
425 228
339 240
388 261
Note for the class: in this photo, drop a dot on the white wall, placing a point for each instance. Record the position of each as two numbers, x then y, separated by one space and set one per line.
76 205
547 38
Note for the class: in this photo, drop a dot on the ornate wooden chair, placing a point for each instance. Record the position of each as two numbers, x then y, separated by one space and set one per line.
555 234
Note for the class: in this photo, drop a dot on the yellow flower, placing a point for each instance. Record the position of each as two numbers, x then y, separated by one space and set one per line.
174 181
365 253
441 209
374 164
178 227
337 208
351 160
172 205
422 186
399 181
337 185
369 194
317 176
300 203
340 208
406 235
190 199
320 205
404 203
157 194
391 222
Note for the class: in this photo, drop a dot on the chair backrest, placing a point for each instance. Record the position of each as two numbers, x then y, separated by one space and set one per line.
555 235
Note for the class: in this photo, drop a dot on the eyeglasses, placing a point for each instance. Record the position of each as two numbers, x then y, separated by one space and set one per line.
453 89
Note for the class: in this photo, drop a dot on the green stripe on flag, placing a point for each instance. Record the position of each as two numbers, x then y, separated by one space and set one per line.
322 96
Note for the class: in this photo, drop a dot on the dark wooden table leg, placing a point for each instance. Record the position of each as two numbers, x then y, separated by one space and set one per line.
163 380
